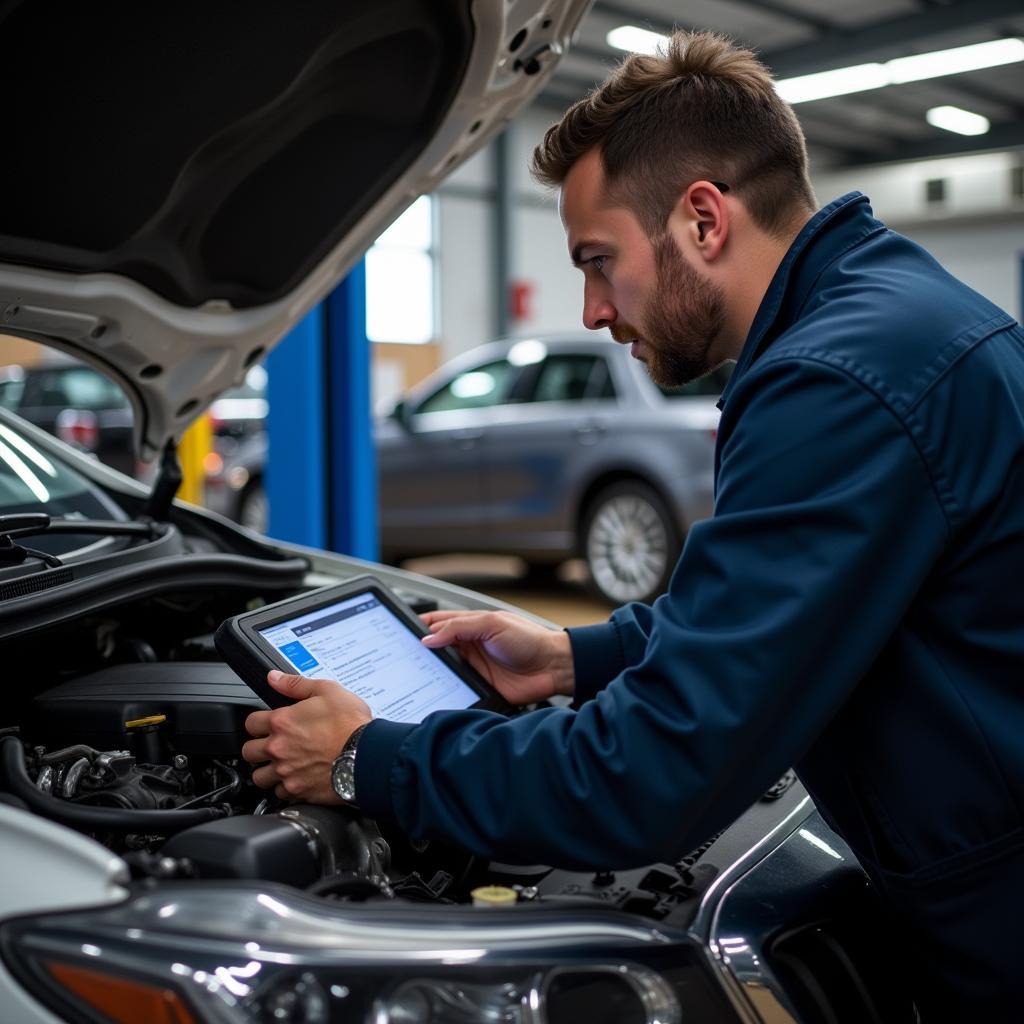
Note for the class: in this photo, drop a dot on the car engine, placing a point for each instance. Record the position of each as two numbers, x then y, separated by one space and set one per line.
143 755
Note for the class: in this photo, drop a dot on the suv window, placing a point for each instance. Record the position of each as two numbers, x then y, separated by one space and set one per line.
572 378
74 388
10 392
477 388
710 386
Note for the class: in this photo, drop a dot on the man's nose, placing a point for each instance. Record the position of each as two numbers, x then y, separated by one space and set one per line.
598 312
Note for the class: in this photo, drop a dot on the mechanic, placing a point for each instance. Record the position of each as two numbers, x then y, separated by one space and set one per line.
853 608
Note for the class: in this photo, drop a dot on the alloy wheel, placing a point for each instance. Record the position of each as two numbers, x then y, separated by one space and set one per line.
630 543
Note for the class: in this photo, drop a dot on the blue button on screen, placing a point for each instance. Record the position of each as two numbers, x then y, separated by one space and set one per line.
299 656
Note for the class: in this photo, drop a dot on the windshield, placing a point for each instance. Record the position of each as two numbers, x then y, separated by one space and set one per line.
31 480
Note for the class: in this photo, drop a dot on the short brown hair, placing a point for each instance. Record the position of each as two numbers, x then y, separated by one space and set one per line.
702 108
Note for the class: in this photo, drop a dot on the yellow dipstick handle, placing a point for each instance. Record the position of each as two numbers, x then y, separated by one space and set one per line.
136 723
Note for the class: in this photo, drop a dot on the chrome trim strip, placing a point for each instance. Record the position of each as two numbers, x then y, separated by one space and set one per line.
177 916
702 922
752 995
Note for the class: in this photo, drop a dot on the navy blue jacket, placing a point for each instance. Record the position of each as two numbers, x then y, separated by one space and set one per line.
854 607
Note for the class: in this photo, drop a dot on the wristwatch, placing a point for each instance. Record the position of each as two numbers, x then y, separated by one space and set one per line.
343 773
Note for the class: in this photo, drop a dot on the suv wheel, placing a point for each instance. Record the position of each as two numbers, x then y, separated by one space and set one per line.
630 542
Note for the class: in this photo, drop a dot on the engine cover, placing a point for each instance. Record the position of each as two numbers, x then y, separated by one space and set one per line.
204 705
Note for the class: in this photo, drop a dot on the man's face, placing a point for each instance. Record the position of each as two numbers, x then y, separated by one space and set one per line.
642 289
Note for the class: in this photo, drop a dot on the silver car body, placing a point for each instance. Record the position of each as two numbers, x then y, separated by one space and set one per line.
517 475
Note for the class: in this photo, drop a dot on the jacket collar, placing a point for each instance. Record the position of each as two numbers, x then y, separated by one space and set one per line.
830 232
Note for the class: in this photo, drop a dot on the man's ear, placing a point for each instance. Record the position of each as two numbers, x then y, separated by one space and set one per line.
702 217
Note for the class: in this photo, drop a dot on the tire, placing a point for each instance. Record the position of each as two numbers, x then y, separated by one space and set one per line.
630 541
252 507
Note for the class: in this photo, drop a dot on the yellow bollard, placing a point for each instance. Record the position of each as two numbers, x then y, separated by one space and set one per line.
195 444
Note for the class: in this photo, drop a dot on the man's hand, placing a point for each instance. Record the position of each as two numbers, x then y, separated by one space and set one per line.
523 661
301 741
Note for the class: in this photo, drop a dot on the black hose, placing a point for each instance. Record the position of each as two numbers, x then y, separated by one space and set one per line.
86 818
77 751
230 789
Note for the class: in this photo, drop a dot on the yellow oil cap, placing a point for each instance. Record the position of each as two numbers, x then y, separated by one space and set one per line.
137 723
493 896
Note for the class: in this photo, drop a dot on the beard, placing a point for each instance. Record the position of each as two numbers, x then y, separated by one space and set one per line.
681 319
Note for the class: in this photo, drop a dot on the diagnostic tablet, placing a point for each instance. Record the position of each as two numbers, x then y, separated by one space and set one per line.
358 634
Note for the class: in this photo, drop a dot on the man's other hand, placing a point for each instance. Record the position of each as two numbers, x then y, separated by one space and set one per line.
524 661
301 741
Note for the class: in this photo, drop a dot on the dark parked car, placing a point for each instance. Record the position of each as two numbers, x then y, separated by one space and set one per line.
547 448
234 480
76 403
181 185
234 466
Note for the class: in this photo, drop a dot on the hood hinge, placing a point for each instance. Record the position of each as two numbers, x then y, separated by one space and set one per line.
168 481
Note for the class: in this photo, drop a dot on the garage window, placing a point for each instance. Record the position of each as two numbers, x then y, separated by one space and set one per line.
400 279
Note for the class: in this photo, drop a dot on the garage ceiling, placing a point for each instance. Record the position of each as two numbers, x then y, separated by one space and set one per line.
800 37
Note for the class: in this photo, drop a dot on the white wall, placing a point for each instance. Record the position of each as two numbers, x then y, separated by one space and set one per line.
465 238
539 252
540 257
466 224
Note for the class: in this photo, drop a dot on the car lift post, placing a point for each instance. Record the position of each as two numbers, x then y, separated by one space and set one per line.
352 501
321 473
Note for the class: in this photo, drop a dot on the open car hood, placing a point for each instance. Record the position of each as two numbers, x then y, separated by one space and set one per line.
183 183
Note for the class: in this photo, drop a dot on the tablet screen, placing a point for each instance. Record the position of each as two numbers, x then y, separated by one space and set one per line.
360 643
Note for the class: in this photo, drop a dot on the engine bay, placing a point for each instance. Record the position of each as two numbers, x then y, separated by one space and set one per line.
133 737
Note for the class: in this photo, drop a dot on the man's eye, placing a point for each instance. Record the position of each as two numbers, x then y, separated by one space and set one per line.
598 262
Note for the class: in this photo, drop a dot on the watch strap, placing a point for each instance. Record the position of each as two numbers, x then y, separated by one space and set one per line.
353 739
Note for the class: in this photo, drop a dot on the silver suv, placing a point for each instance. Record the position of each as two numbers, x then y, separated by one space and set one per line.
551 448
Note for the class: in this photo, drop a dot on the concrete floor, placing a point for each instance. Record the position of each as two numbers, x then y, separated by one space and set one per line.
564 599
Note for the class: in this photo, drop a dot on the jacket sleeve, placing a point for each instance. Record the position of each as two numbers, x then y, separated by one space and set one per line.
826 525
602 651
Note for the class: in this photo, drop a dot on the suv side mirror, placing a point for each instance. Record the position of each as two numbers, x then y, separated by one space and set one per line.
401 415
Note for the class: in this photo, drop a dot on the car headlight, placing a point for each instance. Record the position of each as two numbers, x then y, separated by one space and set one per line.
211 954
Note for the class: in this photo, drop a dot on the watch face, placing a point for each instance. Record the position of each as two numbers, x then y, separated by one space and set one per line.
343 777
343 774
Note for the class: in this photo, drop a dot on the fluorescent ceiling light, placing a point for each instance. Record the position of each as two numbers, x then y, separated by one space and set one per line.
840 82
957 60
953 119
634 39
936 64
861 77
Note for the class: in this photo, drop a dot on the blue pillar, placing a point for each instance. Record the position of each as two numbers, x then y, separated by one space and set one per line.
295 474
321 473
353 458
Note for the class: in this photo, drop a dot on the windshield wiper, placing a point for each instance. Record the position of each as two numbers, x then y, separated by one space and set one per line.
27 524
